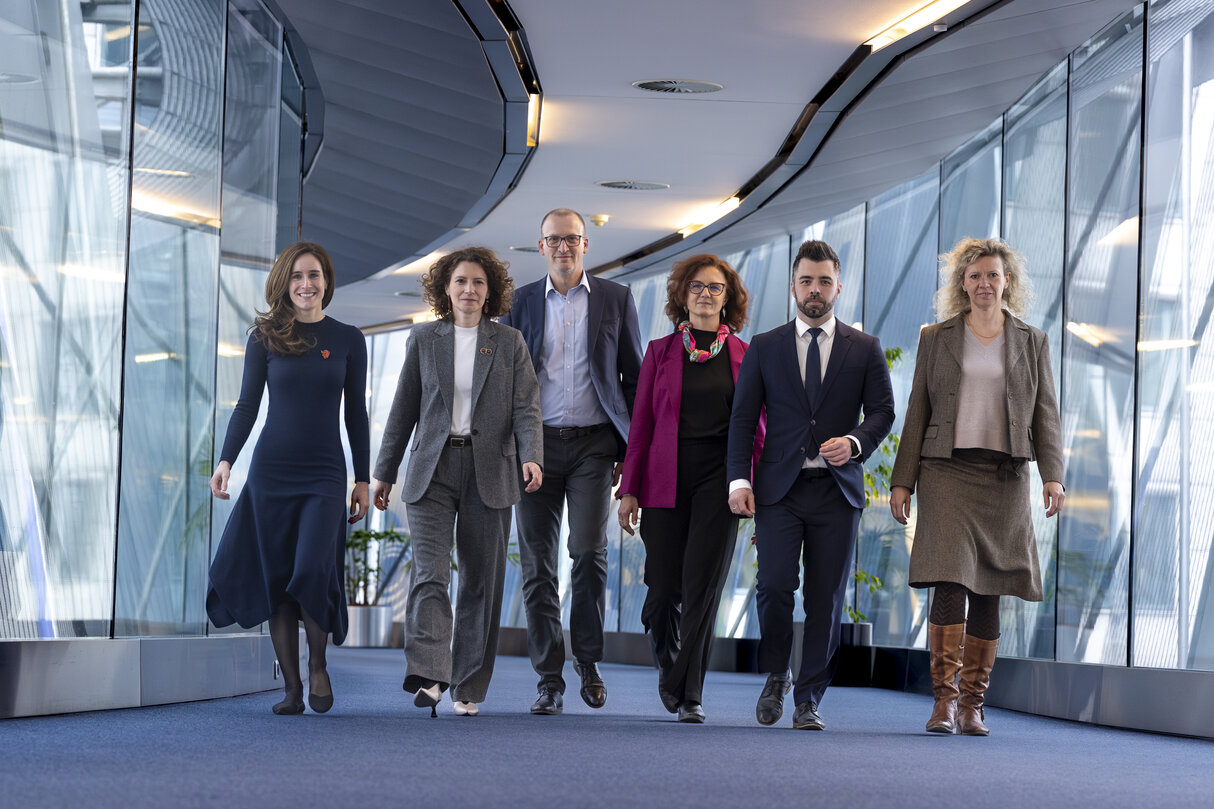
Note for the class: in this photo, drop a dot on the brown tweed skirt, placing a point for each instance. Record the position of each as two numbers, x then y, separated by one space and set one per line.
974 526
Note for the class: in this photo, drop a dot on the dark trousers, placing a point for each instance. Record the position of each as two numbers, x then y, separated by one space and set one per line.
816 526
687 554
451 510
577 472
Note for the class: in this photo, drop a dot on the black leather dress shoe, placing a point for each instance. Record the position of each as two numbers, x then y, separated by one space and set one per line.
669 701
692 713
770 706
594 693
550 701
806 718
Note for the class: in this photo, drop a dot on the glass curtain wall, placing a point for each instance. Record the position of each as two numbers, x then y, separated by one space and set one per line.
110 246
65 101
1097 401
1173 579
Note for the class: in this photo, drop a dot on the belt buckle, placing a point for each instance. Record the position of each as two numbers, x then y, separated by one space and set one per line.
567 433
457 441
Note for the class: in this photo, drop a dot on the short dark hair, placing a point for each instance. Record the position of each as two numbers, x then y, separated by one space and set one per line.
563 212
501 285
676 290
815 250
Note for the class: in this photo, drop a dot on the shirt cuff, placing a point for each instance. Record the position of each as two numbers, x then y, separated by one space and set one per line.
740 483
855 443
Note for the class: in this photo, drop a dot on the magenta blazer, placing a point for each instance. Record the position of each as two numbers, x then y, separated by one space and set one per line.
651 461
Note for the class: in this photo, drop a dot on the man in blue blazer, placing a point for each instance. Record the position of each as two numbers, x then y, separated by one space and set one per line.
585 342
813 376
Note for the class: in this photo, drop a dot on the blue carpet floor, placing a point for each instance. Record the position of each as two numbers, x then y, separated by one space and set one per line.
375 749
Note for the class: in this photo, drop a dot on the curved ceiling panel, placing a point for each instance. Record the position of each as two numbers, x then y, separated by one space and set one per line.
398 168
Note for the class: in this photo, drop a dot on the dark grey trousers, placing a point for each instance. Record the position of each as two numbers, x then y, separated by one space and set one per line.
577 471
465 660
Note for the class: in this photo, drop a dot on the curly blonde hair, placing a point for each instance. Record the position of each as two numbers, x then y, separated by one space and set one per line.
951 299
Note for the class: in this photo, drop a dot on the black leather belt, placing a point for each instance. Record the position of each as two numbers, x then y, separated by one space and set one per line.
566 433
815 472
459 441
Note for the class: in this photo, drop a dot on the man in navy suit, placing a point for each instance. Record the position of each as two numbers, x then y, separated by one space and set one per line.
813 376
585 342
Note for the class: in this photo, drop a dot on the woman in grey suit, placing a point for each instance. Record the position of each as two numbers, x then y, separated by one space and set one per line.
468 395
982 404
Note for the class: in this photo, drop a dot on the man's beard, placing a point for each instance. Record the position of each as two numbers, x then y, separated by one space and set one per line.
810 302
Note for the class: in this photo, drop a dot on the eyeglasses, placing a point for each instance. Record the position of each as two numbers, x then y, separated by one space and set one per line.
715 290
571 241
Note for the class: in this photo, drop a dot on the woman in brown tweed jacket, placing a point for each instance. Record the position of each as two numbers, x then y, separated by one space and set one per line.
982 404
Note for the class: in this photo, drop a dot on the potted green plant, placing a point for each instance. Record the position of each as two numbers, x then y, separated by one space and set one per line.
370 622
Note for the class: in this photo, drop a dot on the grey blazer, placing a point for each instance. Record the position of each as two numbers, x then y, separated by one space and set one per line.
506 427
1032 407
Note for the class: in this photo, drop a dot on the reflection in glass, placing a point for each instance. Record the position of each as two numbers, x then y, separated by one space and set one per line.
63 156
1034 192
845 233
164 503
900 281
971 177
1173 620
1099 352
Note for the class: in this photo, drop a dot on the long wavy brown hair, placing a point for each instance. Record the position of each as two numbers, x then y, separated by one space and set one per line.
277 328
501 285
736 299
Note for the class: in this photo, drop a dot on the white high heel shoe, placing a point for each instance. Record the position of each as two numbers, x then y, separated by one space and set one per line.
465 708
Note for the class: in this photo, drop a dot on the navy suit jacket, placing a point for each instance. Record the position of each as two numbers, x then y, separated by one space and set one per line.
614 344
856 378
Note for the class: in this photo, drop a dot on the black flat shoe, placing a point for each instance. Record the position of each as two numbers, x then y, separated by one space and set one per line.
320 702
669 701
692 713
770 706
549 703
293 705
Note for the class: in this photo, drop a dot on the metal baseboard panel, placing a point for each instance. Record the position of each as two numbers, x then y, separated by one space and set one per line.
40 677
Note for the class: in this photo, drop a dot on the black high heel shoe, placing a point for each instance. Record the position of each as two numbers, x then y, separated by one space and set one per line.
320 702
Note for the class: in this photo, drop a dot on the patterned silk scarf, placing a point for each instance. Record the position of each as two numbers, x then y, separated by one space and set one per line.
699 355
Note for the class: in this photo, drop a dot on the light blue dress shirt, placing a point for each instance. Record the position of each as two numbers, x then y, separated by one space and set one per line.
567 394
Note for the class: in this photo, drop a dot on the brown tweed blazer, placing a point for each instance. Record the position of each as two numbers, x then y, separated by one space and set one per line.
1032 406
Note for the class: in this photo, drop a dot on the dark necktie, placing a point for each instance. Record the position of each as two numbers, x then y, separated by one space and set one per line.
813 368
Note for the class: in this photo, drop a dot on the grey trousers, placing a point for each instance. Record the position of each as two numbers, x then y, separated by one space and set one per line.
452 508
577 470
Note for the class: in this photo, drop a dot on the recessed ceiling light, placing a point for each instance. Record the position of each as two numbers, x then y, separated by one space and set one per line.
524 248
16 78
678 86
634 185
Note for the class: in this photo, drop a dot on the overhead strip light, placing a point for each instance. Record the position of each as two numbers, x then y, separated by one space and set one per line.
913 22
710 215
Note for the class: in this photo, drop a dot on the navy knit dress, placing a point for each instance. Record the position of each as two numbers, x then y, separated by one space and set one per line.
286 536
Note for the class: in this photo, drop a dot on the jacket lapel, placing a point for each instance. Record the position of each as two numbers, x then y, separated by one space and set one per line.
486 347
444 361
594 315
1015 342
788 359
952 332
838 355
535 321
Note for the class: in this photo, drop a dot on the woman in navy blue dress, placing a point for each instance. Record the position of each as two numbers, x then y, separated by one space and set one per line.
282 555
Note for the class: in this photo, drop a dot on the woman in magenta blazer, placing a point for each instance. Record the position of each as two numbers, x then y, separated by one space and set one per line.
674 469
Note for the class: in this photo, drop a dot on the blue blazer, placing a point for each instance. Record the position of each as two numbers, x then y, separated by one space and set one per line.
614 350
857 378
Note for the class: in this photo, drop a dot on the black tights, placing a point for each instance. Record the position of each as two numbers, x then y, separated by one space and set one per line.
284 633
948 608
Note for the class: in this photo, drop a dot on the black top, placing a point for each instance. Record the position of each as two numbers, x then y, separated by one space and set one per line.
707 393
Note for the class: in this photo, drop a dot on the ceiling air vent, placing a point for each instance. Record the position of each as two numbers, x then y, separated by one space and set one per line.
525 248
634 185
678 86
